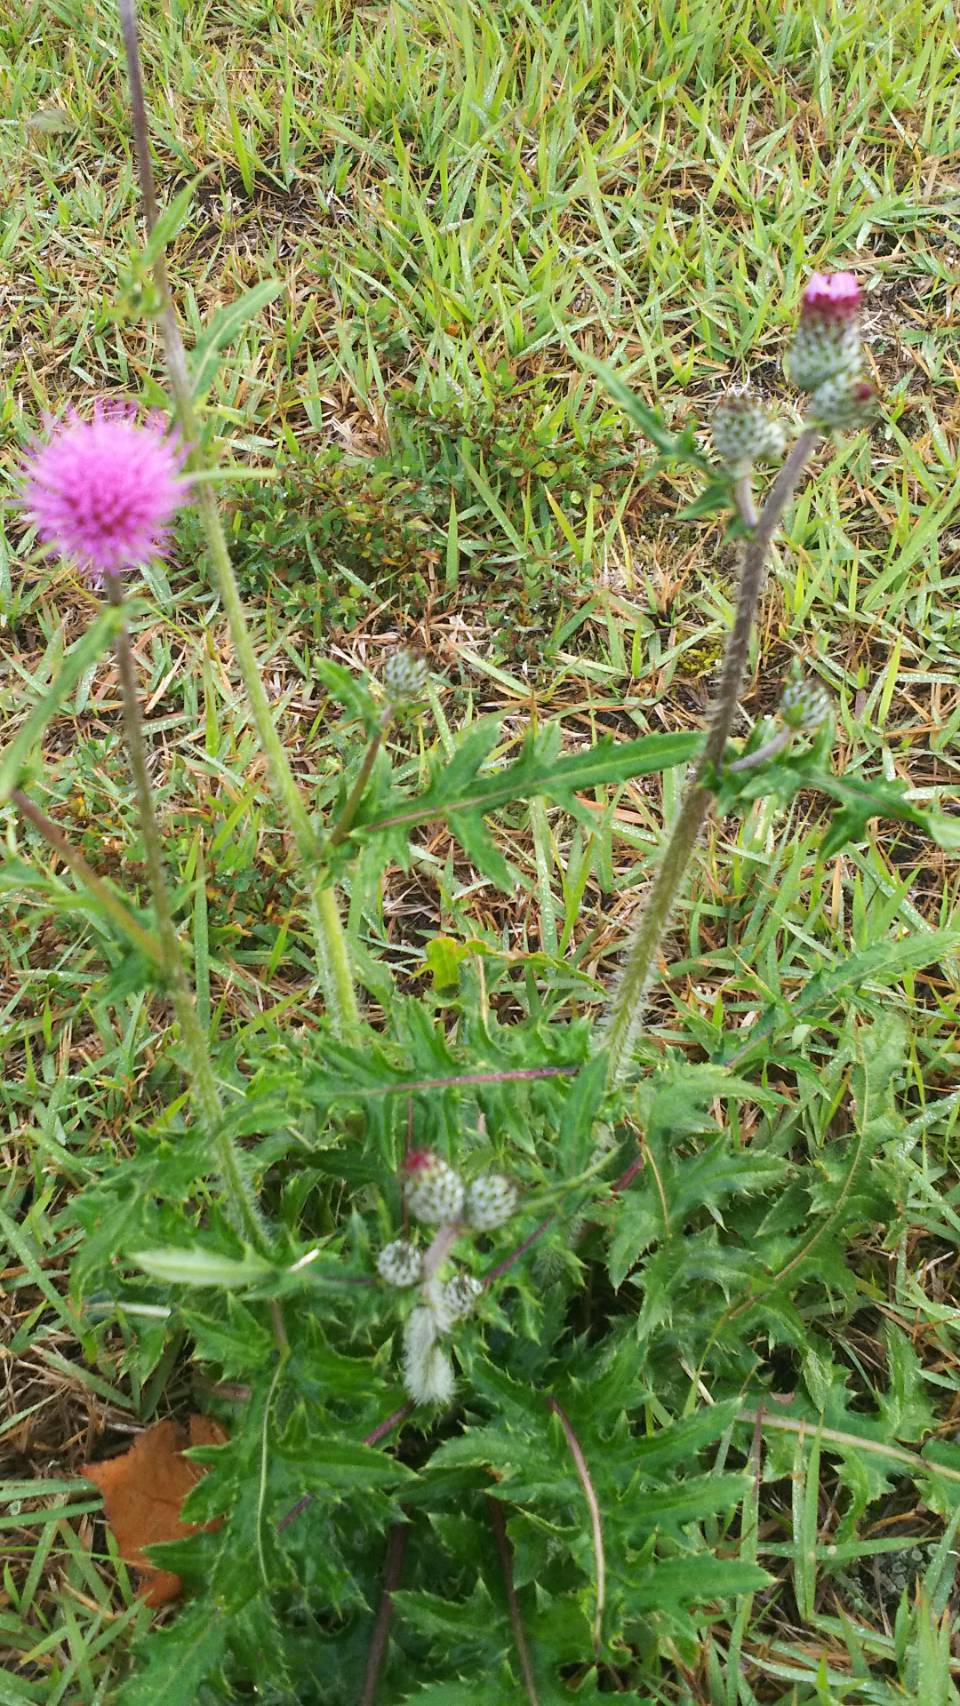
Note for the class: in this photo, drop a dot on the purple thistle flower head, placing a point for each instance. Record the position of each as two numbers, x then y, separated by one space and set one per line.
827 341
104 491
831 296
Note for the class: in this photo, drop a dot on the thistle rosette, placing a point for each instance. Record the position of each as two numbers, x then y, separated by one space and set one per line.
826 346
433 1190
744 433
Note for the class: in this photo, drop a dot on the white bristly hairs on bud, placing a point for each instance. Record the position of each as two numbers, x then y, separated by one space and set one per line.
804 705
405 677
490 1201
427 1369
837 403
400 1263
456 1300
433 1189
743 432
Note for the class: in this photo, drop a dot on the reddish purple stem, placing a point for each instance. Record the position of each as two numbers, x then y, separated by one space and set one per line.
393 1566
580 1464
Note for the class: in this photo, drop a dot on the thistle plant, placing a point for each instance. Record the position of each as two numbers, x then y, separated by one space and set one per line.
825 361
102 493
333 958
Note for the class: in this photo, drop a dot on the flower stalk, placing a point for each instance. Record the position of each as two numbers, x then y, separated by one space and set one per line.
239 1197
627 1008
333 956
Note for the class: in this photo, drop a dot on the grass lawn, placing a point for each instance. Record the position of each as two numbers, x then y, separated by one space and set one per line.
454 200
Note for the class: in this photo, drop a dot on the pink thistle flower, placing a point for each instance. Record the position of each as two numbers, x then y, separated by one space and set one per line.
827 341
835 295
104 491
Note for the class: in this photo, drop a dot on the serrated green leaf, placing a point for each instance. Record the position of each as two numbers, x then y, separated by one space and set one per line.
460 789
650 422
170 220
340 1465
669 1508
482 851
858 970
348 690
680 1441
177 1661
680 1581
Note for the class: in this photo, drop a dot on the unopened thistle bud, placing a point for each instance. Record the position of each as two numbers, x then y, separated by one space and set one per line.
400 1263
827 341
490 1201
433 1190
743 432
804 705
838 403
456 1300
427 1369
405 678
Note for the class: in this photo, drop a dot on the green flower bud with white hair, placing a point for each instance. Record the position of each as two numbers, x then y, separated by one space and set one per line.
744 433
456 1300
804 705
405 678
839 403
490 1201
400 1263
433 1190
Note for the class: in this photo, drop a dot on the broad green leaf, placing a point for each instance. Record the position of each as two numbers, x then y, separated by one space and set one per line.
224 327
201 1267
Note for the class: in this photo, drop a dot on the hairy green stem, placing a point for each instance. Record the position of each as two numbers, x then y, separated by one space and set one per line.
625 1015
203 1086
115 909
344 822
333 955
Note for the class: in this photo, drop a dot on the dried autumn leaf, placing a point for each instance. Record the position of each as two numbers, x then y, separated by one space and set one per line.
143 1493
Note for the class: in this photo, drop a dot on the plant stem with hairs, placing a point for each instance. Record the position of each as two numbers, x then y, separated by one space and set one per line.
239 1198
333 956
628 1005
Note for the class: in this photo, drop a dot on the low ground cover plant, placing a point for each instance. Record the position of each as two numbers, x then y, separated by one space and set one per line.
538 1344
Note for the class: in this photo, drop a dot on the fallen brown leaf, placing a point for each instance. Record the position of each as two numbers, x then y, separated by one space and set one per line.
143 1493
